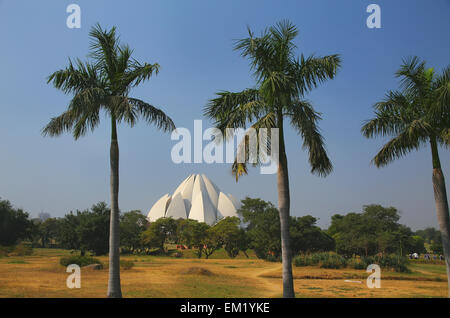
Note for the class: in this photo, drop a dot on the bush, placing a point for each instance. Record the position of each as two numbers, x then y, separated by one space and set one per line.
323 260
394 262
356 263
333 260
4 251
124 264
272 258
79 260
177 255
23 250
301 260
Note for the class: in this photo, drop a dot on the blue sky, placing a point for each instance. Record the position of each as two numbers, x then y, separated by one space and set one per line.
192 41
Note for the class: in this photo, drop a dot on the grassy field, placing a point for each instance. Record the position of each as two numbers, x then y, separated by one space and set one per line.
41 275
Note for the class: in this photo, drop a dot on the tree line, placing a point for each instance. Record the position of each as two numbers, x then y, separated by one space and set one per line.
373 231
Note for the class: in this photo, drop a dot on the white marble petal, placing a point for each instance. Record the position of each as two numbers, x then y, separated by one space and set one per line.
158 210
225 206
176 209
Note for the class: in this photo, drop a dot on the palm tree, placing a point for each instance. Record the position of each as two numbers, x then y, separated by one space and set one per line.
417 115
104 84
282 80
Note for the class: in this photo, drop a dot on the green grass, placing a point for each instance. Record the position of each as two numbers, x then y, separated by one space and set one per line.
432 268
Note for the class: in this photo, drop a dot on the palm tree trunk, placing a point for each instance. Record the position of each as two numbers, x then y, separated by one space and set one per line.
283 207
114 290
440 197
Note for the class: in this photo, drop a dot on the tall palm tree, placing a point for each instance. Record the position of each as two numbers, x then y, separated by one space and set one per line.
417 115
104 84
282 80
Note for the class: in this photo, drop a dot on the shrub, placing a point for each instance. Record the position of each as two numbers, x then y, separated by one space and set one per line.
197 271
272 258
23 250
323 260
356 263
177 255
333 261
301 260
394 262
79 260
124 264
4 251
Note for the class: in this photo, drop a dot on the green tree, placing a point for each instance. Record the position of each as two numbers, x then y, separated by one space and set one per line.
417 245
14 224
93 228
48 230
430 234
159 233
263 227
192 234
307 237
212 241
282 81
436 246
185 231
263 231
229 235
104 84
375 230
67 235
417 115
199 237
86 230
132 224
243 242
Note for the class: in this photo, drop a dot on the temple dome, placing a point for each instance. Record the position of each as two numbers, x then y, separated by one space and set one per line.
196 198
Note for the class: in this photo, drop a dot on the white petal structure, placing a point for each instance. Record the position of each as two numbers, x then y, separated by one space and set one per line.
225 206
176 208
159 208
196 198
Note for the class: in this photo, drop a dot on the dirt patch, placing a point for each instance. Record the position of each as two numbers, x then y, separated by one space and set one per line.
197 271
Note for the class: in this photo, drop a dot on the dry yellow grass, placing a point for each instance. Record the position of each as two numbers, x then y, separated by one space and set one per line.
42 276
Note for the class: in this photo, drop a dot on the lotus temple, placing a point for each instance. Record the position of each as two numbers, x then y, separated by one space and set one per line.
196 198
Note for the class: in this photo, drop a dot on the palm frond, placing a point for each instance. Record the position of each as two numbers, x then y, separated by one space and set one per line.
234 110
58 125
138 73
76 77
304 119
440 109
413 79
238 170
104 48
396 148
391 116
444 138
259 51
257 154
152 115
309 72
